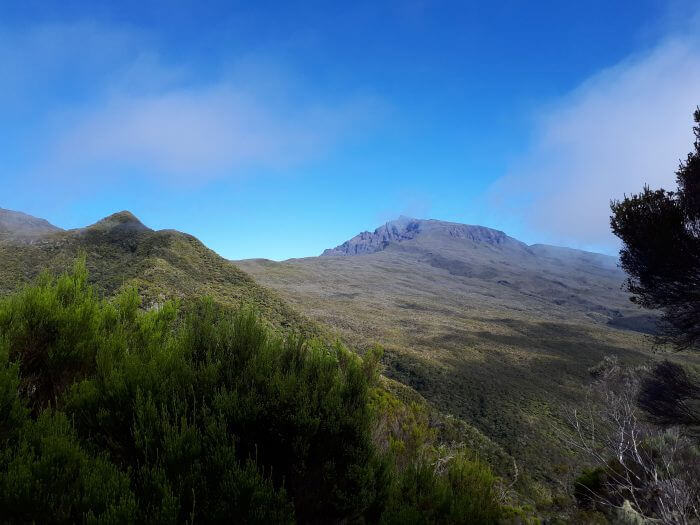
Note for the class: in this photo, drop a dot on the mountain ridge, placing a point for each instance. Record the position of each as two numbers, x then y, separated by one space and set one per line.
409 229
20 225
121 251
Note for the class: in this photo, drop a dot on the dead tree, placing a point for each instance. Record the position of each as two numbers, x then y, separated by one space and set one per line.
654 470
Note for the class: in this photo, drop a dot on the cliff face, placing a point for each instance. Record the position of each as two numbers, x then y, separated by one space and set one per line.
406 229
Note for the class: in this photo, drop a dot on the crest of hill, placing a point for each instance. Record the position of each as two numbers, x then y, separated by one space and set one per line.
163 264
120 221
17 224
435 237
407 229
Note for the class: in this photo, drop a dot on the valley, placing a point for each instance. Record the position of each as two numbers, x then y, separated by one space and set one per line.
495 332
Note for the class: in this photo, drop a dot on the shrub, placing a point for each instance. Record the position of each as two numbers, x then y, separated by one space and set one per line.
111 413
462 493
48 476
53 329
589 487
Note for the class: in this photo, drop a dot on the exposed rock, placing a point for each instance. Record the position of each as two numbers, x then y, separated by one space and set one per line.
406 228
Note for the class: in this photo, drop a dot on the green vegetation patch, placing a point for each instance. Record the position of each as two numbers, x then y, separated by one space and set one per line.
181 413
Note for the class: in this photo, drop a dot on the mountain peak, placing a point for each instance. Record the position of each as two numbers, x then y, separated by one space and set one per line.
401 229
407 228
121 221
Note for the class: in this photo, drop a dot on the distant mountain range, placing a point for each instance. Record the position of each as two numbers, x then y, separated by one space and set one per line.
407 229
15 224
552 280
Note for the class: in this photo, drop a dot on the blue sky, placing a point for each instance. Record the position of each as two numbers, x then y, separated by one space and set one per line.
278 129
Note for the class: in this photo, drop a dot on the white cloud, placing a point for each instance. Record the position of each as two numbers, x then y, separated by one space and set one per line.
625 127
110 102
203 133
57 58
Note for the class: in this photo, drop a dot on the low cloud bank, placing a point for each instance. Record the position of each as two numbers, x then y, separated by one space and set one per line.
627 126
201 133
105 100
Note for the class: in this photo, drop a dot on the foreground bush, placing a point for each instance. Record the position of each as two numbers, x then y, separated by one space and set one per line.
109 413
463 493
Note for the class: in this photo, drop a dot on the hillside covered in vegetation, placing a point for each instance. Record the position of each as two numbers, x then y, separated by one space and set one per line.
197 393
121 252
498 333
112 414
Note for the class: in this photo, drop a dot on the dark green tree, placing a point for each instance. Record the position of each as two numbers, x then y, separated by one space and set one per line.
660 231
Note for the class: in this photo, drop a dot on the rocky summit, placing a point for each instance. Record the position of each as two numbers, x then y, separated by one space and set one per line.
407 228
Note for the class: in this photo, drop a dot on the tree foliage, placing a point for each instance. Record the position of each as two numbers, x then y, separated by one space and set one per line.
183 413
660 231
671 396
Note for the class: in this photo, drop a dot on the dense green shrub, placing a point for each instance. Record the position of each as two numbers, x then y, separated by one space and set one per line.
590 486
54 329
115 414
463 493
45 475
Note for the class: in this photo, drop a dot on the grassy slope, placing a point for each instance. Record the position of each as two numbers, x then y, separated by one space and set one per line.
497 356
120 251
162 264
507 357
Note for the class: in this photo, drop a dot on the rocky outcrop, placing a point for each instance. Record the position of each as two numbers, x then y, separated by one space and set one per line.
370 242
406 228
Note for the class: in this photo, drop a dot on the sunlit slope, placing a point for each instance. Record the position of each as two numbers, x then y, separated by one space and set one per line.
121 251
